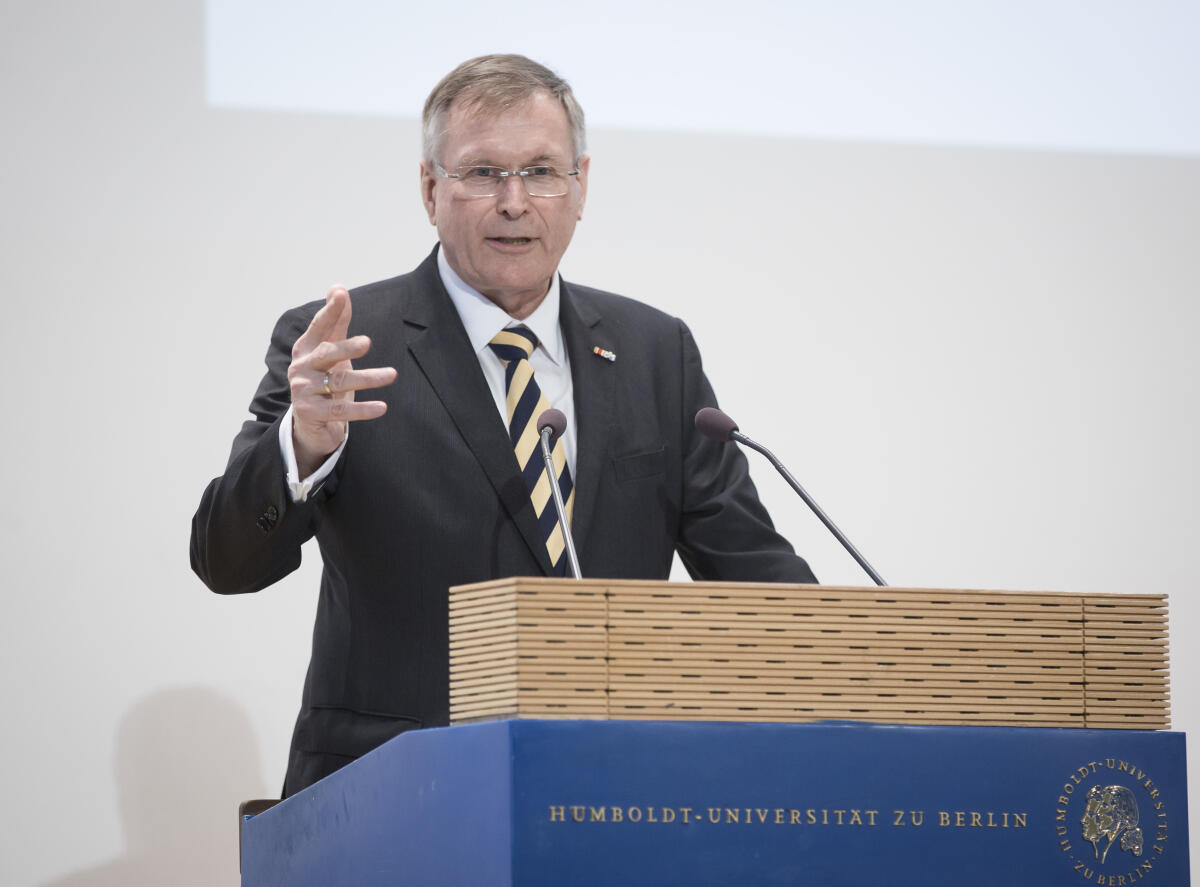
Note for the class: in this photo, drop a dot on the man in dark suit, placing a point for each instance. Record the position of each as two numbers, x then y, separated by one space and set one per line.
437 484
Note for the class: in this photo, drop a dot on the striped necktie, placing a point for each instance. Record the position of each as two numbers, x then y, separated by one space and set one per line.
525 403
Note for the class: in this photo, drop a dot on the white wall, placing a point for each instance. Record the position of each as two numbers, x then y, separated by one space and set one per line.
979 361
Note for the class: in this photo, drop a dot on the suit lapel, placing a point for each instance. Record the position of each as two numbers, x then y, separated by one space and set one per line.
592 379
440 346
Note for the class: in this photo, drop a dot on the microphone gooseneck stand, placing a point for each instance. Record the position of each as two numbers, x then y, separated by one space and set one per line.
718 426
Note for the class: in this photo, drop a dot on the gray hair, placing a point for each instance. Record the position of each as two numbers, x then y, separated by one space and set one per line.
496 82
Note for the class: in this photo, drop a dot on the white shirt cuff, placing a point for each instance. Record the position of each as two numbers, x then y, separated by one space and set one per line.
301 488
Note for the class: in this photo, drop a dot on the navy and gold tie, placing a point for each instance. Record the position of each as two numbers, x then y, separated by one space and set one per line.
525 403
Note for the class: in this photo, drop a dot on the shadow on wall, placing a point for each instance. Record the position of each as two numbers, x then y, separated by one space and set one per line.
185 758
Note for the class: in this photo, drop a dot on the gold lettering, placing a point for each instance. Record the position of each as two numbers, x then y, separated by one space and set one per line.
824 816
991 821
855 817
899 820
871 814
812 816
634 814
838 814
558 813
615 814
1153 793
1019 819
976 820
1063 801
795 817
779 820
687 813
1120 881
668 814
1110 763
943 818
1005 815
1069 789
1082 771
577 813
747 816
596 814
960 819
917 817
1123 766
649 810
732 815
761 814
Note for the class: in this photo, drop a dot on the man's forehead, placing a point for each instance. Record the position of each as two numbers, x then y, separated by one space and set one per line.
535 125
473 104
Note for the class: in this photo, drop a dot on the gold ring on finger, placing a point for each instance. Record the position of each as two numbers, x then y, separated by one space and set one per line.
325 385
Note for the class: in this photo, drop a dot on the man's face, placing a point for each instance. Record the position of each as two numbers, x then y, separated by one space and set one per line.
507 246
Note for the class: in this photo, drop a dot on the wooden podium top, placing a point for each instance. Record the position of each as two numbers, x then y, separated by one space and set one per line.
538 647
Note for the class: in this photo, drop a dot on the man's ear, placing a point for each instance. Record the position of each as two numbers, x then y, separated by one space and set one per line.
428 181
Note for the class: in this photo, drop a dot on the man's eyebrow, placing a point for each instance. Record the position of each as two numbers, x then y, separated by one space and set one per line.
539 160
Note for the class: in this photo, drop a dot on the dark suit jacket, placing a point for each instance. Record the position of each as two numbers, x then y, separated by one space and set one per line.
429 496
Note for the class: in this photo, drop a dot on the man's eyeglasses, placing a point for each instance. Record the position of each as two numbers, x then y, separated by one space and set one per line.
488 181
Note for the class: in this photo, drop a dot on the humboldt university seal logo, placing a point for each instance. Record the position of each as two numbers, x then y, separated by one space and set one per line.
1111 823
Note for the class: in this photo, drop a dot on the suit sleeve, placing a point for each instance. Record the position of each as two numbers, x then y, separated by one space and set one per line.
725 532
247 532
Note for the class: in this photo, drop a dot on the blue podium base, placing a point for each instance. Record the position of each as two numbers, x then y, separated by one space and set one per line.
581 803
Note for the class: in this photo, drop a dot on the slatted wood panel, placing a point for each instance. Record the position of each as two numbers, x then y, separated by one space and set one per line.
1126 664
719 651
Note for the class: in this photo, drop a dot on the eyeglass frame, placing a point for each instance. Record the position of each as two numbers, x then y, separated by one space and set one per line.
502 175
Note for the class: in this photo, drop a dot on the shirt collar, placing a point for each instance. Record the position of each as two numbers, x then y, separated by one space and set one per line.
483 318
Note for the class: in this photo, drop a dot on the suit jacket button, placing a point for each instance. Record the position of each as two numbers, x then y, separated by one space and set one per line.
272 513
263 524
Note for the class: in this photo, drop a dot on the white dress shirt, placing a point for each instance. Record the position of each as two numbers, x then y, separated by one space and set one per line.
483 319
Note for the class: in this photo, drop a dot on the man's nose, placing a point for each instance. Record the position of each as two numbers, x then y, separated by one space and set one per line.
513 199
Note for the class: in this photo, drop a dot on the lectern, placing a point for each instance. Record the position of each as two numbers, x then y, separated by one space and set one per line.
708 755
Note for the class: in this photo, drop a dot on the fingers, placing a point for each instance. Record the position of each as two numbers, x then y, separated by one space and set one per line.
327 354
330 323
343 380
331 410
340 299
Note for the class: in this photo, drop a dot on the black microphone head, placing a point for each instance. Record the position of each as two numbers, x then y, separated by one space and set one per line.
555 421
712 423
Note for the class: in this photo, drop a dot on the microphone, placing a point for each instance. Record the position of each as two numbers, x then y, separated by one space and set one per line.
716 425
551 425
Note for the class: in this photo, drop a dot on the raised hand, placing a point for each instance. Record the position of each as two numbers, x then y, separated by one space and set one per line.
323 383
